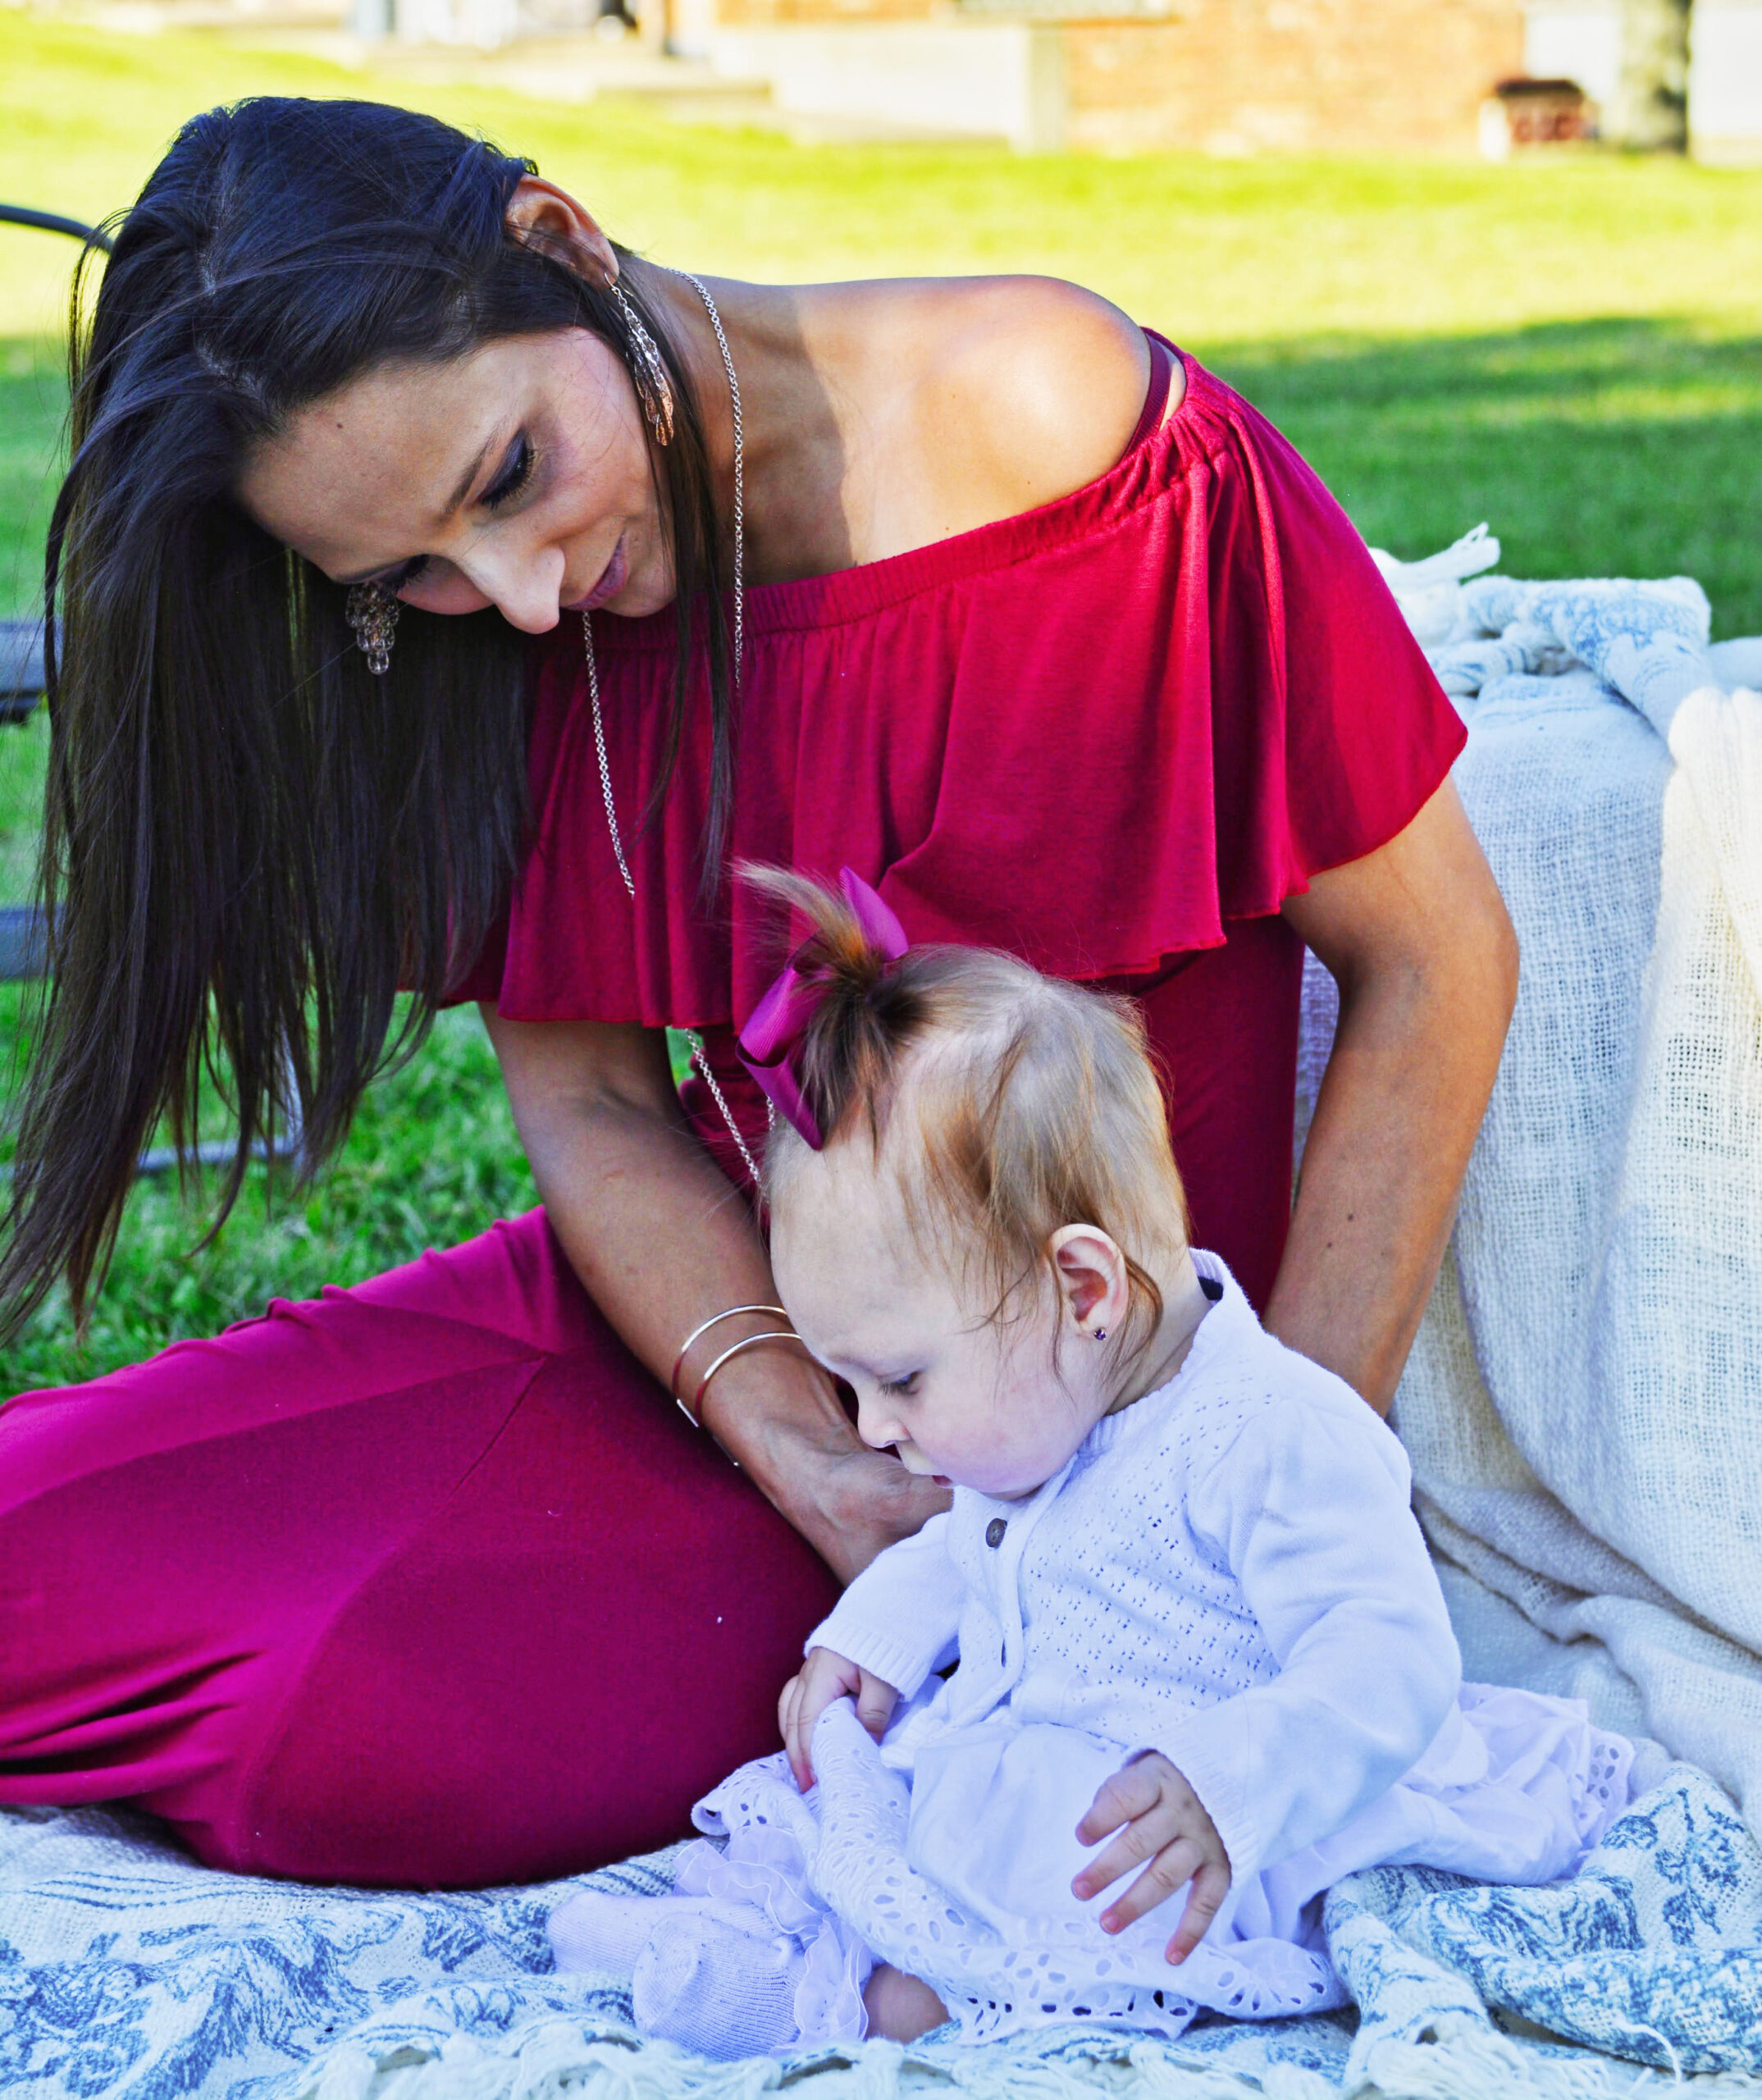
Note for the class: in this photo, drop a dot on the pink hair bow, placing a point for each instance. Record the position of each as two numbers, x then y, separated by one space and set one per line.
770 1044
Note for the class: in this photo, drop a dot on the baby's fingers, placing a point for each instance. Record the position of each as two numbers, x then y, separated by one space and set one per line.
875 1701
1142 1839
1172 1869
1211 1885
1129 1793
795 1740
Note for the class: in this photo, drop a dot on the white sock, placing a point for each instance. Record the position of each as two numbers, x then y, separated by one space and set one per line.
713 1988
601 1934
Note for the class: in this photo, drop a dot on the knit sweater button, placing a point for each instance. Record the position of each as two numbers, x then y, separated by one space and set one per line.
994 1532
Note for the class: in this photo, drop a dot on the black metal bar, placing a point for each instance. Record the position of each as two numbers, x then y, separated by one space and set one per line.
22 215
24 945
20 642
213 1152
21 670
24 954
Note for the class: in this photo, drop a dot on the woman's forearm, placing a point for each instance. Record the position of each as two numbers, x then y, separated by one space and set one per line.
1427 962
1394 1126
662 1243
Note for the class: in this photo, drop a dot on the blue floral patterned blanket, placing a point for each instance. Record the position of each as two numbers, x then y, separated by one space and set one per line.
126 1973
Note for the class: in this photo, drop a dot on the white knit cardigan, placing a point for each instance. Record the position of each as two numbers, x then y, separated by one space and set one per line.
1227 1571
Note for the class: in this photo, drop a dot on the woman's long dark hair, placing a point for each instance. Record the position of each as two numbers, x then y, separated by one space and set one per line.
252 844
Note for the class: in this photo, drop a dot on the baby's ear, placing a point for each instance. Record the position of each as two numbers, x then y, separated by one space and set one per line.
1094 1284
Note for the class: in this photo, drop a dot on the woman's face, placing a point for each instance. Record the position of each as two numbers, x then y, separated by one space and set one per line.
516 476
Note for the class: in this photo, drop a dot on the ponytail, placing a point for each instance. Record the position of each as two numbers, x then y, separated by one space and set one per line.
872 1006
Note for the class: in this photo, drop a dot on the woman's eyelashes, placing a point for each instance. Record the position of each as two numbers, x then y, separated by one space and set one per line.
516 472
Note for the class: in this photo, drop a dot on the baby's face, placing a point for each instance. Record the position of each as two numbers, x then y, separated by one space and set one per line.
960 1399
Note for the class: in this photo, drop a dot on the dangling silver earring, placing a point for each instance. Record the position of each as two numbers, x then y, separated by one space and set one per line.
647 371
372 611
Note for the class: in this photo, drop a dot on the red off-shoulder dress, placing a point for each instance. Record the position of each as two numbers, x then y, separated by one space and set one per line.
426 1582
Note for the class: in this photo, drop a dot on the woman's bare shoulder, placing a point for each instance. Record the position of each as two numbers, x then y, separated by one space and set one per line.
1004 393
1047 381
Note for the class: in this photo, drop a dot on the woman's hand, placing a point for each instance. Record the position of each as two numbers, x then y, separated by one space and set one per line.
778 1413
868 1502
823 1678
1166 1824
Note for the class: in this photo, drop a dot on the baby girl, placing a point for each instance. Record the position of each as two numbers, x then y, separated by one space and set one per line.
1179 1610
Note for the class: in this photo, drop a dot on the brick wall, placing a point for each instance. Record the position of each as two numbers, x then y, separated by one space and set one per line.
1241 76
765 14
1290 75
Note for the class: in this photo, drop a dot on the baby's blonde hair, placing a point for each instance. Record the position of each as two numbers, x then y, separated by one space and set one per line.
1036 1102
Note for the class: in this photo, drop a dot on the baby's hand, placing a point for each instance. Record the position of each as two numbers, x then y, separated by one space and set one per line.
1165 1823
823 1678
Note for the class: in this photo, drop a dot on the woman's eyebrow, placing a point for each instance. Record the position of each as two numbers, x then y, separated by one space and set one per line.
453 502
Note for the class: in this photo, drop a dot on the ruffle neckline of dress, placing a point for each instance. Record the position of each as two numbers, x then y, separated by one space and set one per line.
851 594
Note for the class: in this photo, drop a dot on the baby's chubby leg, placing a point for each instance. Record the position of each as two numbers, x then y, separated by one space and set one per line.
899 2008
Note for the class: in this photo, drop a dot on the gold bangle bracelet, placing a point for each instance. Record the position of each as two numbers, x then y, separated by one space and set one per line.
751 1341
702 1329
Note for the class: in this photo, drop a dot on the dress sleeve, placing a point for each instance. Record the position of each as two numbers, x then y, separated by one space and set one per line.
900 1616
1330 731
1310 1509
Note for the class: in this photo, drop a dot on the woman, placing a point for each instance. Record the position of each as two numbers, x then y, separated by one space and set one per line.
970 584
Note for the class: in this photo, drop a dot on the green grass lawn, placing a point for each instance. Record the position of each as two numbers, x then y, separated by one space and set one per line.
1573 352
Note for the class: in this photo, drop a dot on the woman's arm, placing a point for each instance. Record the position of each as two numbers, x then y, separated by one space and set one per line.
661 1242
1416 935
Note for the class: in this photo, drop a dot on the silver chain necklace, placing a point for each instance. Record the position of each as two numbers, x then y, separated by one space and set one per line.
700 1056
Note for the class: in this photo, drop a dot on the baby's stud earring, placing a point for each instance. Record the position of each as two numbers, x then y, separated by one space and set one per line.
1101 1333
